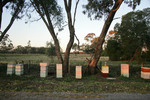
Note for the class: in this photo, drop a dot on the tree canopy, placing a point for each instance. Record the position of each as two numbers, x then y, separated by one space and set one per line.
16 7
6 44
99 8
96 9
133 34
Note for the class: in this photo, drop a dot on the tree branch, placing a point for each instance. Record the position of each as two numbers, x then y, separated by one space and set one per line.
40 13
136 52
74 22
69 4
14 16
75 12
47 14
66 5
118 3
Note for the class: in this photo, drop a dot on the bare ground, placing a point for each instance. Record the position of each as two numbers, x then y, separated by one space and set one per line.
71 96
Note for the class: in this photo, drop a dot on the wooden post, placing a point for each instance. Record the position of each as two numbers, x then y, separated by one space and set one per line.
29 66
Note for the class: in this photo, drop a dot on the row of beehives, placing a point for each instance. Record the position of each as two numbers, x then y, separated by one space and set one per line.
44 71
18 70
145 71
14 69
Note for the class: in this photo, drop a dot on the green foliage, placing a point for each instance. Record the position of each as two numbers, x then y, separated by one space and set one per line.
6 44
49 9
104 53
12 5
51 50
99 8
75 47
20 50
91 45
87 48
113 50
134 33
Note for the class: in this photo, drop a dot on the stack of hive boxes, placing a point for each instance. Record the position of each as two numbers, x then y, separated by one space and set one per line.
43 69
145 72
19 69
125 70
105 71
59 70
10 68
78 72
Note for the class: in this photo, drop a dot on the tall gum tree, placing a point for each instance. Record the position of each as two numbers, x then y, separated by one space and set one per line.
98 8
16 7
51 14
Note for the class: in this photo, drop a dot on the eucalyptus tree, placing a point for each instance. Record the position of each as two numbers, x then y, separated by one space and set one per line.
16 7
6 44
134 34
51 14
99 8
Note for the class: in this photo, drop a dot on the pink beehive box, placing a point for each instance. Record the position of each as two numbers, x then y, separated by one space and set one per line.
59 70
125 70
78 72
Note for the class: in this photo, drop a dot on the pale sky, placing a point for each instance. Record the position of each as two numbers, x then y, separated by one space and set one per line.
20 33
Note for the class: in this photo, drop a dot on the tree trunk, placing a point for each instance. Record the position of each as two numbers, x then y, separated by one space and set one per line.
98 50
72 33
67 52
56 42
58 53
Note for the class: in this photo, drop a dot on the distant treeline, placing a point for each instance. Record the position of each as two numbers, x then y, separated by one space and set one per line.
25 50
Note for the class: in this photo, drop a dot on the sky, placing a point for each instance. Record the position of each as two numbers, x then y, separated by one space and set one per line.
20 33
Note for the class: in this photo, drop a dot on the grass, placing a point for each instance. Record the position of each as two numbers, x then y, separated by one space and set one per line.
31 81
79 59
86 85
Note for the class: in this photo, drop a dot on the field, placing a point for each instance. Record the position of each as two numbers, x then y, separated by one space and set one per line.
37 58
31 81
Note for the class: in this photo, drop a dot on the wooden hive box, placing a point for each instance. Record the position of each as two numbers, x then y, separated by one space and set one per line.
125 70
10 68
44 69
19 69
78 72
105 71
58 70
145 72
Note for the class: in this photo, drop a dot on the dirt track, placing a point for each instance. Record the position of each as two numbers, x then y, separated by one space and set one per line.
71 96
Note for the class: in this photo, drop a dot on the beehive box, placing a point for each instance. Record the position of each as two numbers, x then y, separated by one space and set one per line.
145 72
58 70
43 69
105 71
10 68
78 72
125 70
19 69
